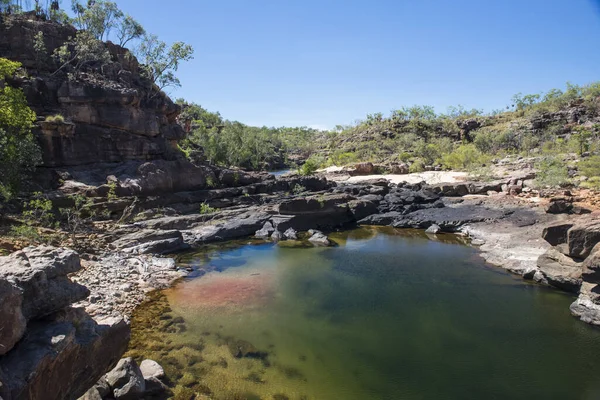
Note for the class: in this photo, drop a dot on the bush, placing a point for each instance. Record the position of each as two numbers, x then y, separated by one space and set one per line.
417 166
552 171
59 119
591 169
206 209
309 167
464 157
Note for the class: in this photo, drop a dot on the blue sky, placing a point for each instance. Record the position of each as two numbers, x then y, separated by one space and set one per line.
326 62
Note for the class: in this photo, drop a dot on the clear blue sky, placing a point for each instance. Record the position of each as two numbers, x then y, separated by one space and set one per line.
326 62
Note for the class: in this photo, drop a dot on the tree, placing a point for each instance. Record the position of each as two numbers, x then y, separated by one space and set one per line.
129 29
161 63
98 18
85 49
19 154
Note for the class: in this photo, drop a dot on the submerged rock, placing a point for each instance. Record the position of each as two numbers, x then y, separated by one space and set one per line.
244 349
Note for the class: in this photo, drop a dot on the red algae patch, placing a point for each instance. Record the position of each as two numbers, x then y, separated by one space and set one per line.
224 291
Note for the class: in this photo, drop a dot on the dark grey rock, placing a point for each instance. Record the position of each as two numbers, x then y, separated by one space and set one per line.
126 380
560 271
556 234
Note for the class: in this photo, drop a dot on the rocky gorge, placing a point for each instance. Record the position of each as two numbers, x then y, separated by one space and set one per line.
64 315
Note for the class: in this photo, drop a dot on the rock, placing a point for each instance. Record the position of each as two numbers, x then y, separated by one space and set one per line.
433 229
556 234
276 236
290 234
318 238
365 168
245 349
587 306
477 242
362 208
560 271
151 369
150 242
559 206
591 266
245 224
154 386
325 211
126 380
399 169
449 219
265 231
41 275
582 238
12 321
62 356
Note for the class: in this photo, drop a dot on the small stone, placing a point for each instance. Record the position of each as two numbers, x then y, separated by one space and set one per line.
151 368
276 236
290 234
434 228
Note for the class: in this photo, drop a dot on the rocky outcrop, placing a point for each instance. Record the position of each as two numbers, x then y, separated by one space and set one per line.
582 238
61 357
559 270
61 351
150 242
40 273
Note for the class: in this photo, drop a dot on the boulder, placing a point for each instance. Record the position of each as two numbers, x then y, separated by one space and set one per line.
276 236
560 271
399 169
149 241
152 369
62 356
582 238
290 234
40 273
591 266
362 208
12 321
265 231
126 380
433 229
318 238
556 234
364 168
559 206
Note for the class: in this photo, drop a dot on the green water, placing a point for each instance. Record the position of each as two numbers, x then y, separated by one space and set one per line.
384 315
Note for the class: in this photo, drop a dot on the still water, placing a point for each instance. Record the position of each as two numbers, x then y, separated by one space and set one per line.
386 314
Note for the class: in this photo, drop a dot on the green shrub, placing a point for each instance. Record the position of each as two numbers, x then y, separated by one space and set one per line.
309 167
464 157
590 168
298 189
206 209
417 166
58 119
552 171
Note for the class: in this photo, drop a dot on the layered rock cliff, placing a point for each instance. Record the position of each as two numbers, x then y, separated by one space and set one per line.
49 350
